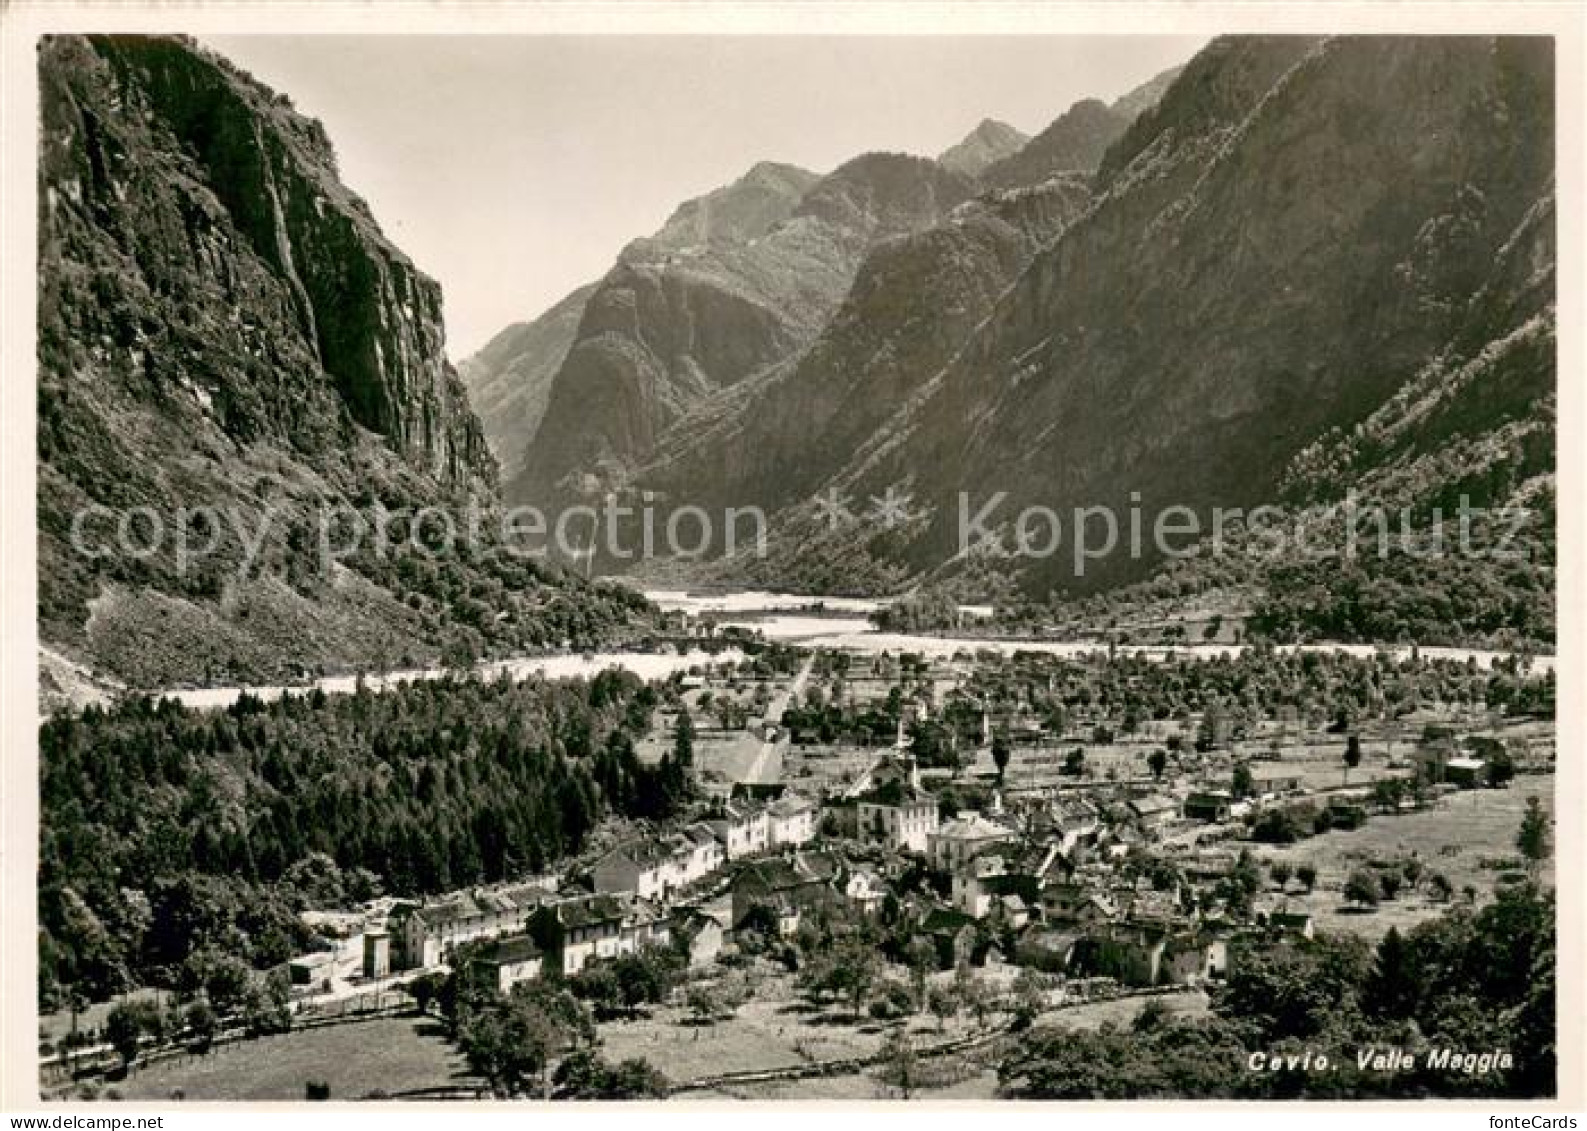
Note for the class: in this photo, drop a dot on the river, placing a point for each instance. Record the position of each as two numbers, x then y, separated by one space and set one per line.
837 623
646 665
843 623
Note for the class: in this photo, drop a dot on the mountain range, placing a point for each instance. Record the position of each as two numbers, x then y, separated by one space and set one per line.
1187 298
1296 269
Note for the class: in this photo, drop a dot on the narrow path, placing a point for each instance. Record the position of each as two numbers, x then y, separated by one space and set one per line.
766 769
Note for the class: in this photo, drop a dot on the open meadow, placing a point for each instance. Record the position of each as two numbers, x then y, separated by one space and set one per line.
389 1056
1468 836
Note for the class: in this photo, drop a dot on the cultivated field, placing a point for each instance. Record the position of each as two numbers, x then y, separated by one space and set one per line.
1456 838
775 1029
981 1084
390 1055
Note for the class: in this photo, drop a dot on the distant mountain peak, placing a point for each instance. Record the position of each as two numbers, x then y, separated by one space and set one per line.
743 210
1134 103
990 141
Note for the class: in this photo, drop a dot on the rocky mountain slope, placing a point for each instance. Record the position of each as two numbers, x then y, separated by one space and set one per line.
1075 142
912 304
1291 235
509 379
223 328
1295 267
748 273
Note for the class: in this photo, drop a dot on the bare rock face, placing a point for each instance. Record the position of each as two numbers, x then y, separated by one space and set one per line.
509 379
913 302
223 325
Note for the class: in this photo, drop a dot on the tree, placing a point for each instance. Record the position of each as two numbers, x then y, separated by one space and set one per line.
971 993
128 1023
586 1075
1352 755
514 1040
1392 987
1500 766
703 1002
1075 762
599 986
1533 838
892 1000
921 958
1440 888
1390 882
224 978
1387 793
1000 755
683 741
1157 762
1030 997
1362 888
857 970
1307 875
1242 784
1280 871
646 976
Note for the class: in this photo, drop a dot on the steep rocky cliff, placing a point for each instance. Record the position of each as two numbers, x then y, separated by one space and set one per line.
675 323
912 304
509 380
223 326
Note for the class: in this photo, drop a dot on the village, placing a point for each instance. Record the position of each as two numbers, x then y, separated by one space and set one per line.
882 847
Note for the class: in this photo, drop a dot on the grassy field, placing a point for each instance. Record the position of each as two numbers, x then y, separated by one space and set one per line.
773 1030
980 1085
1455 838
390 1055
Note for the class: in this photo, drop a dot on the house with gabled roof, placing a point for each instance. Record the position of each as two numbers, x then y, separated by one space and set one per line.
572 932
698 935
1153 810
510 960
1069 904
424 933
897 814
647 868
789 885
742 827
791 821
963 838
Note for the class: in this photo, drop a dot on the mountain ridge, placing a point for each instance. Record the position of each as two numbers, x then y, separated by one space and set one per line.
231 352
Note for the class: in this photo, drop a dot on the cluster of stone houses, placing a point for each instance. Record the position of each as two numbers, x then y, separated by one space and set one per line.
422 934
659 867
1053 881
887 806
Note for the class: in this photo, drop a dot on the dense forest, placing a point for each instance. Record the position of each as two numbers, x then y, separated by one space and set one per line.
168 834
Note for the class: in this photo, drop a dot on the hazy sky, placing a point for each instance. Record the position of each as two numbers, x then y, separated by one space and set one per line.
513 169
